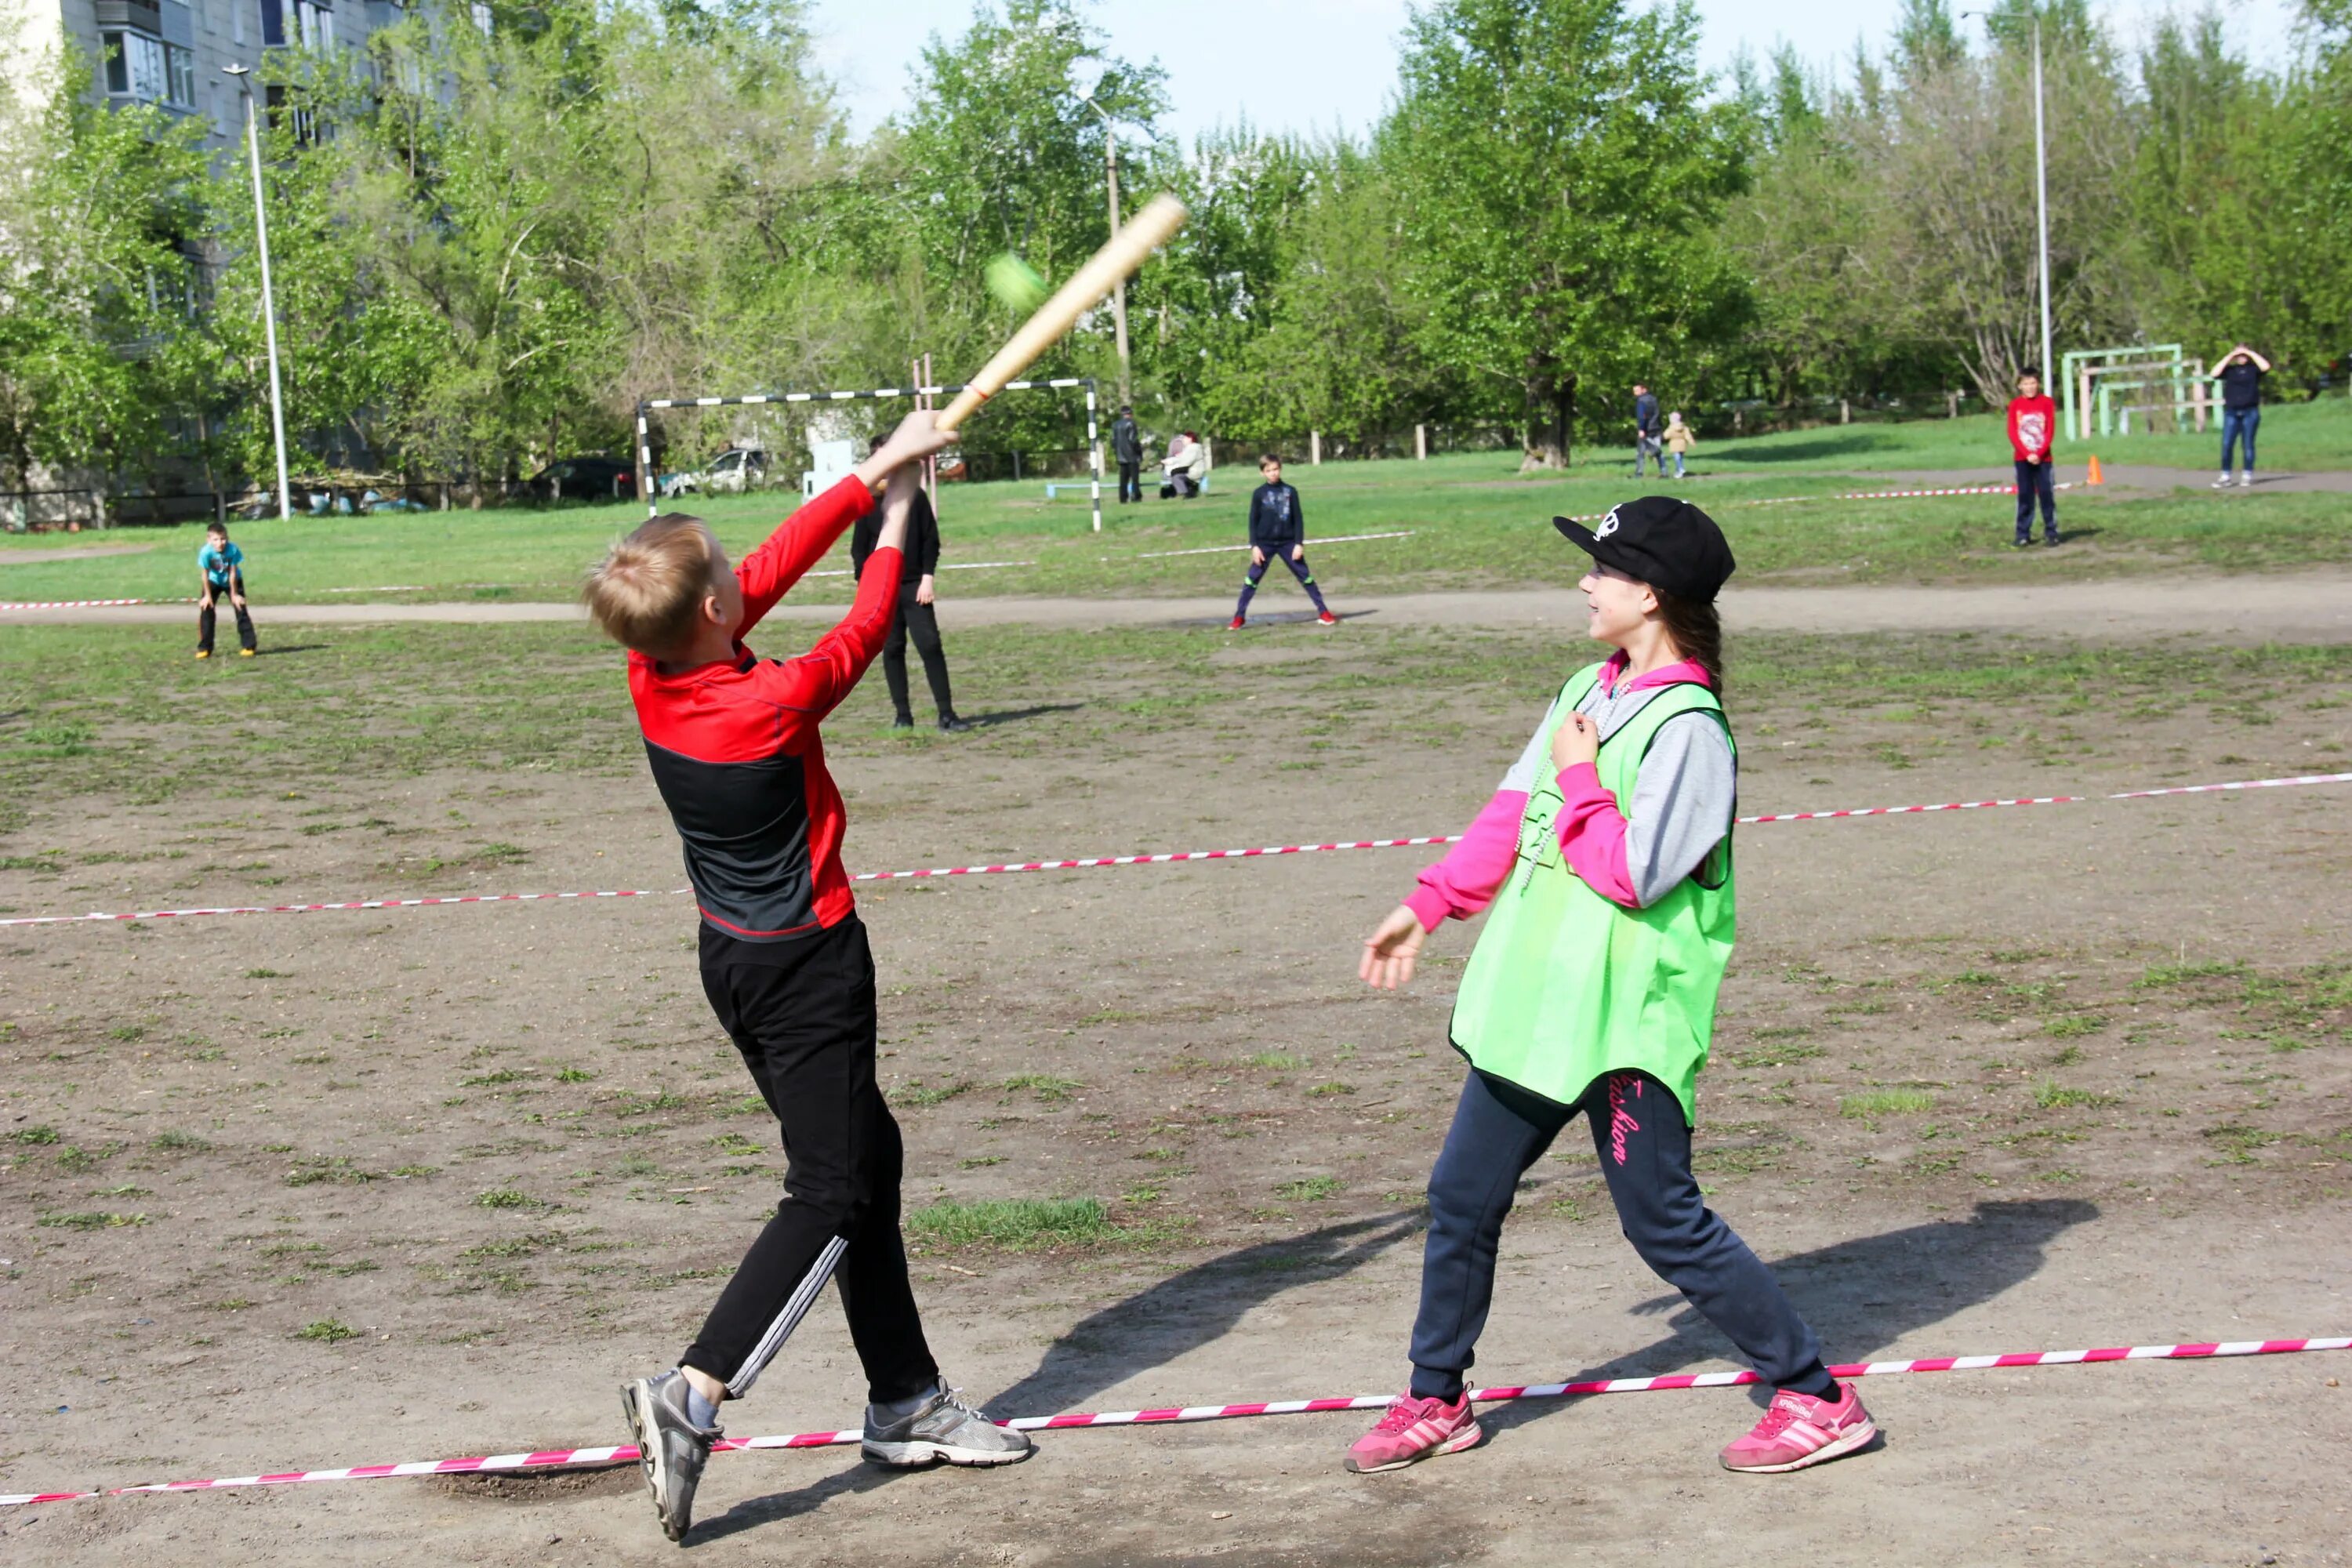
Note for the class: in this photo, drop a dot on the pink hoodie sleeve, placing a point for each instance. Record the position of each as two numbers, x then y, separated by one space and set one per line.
1466 881
1593 836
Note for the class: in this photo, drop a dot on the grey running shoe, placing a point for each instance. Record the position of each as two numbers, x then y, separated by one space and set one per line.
944 1429
672 1448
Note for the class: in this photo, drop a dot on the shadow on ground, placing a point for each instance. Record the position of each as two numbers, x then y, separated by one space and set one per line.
1188 1310
1180 1313
1861 1295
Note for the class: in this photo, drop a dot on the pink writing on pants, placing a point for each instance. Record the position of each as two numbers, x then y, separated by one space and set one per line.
1621 1120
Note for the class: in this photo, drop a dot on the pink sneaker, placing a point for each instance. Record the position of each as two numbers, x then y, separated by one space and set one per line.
1799 1430
1412 1430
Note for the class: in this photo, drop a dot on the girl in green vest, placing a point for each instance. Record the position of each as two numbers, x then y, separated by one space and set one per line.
1605 864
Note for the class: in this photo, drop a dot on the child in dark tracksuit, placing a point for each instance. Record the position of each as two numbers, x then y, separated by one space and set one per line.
1605 867
1277 530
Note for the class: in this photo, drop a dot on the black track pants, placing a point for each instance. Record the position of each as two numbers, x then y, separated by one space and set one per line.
922 623
1297 569
204 621
801 1012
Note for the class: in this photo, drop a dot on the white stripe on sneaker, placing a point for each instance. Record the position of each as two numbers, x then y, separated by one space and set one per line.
797 1307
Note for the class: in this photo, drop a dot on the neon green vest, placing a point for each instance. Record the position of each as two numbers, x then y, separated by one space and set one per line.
1564 984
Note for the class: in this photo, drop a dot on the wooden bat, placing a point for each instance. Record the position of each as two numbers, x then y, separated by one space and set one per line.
1147 231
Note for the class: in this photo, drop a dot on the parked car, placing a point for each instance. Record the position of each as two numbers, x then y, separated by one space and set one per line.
585 479
734 471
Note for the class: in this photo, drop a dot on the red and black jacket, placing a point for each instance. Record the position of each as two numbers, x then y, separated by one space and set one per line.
734 745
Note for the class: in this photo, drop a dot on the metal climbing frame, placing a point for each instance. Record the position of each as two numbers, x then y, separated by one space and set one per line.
650 405
2081 370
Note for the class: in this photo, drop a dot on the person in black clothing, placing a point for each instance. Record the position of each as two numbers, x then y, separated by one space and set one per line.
1646 429
1126 446
2241 376
918 569
1277 530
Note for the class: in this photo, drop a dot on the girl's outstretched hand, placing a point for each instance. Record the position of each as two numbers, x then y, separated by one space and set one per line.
1389 953
1578 740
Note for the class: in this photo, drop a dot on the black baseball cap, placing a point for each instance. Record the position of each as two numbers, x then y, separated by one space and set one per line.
1670 545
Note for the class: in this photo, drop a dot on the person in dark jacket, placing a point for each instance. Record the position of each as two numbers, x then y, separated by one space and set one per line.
1126 446
2241 375
1277 530
1646 430
918 569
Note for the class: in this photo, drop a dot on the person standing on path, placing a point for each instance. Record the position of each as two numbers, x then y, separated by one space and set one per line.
733 743
1277 530
220 568
1681 441
1126 446
1604 864
1645 430
2033 424
917 590
2241 375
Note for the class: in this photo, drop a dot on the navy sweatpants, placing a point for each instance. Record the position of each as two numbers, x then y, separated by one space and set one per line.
1297 569
1499 1130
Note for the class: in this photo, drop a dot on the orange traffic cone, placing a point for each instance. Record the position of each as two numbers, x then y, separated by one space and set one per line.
2096 477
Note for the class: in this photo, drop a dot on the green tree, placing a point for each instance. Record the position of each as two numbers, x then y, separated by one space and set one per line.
999 155
97 305
1331 339
1560 173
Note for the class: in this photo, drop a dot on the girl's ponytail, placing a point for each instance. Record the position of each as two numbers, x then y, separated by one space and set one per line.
1696 631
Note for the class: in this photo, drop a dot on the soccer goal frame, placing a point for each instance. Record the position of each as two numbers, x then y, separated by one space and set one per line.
647 408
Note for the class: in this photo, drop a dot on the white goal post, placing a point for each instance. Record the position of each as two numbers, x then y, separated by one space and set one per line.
646 407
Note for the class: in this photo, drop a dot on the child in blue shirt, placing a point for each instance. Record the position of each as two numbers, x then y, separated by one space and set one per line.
220 567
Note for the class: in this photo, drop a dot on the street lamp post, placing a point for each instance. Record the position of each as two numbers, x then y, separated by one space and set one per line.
2042 199
2041 190
1118 289
268 300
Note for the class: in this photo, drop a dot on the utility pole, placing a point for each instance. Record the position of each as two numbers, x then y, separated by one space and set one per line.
2041 190
268 300
1118 290
2041 196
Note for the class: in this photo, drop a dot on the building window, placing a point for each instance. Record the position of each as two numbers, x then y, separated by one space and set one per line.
180 65
135 67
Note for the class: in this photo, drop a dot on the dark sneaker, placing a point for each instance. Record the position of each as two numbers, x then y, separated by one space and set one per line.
944 1429
2051 540
903 721
2022 540
672 1448
953 725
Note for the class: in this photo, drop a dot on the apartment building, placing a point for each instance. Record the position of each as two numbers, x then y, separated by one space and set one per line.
171 52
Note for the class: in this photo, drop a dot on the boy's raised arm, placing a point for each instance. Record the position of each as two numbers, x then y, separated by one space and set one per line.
770 572
816 683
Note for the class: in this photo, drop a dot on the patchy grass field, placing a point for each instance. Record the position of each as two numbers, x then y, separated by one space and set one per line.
1473 523
349 1187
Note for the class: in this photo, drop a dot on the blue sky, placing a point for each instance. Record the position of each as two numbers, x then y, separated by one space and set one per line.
1316 65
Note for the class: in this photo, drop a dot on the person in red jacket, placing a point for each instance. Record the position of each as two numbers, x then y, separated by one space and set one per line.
2033 426
733 746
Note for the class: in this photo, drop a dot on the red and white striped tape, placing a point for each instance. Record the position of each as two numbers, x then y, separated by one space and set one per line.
1094 861
547 1460
85 604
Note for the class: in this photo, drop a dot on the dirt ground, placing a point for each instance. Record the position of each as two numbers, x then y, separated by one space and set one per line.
2003 1080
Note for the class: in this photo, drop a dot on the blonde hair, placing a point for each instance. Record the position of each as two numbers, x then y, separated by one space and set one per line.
648 588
